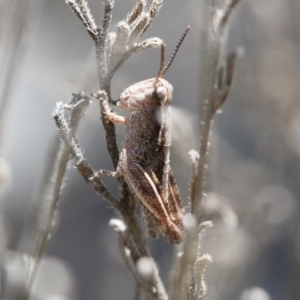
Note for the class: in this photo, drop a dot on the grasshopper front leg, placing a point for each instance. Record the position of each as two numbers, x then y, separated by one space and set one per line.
109 115
115 118
119 171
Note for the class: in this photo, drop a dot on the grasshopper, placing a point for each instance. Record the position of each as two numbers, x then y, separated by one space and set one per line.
144 158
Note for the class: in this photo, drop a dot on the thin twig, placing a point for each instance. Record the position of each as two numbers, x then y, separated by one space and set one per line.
102 44
187 257
198 187
58 177
199 270
194 156
83 12
93 178
32 230
111 53
213 100
139 293
133 272
13 54
184 261
214 45
227 12
41 245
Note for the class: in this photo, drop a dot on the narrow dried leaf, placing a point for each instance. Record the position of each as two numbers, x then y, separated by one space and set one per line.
136 12
149 43
199 272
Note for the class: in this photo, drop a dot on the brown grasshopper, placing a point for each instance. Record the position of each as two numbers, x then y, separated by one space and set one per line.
144 158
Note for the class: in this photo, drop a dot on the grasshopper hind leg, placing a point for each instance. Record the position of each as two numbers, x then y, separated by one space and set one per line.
151 224
147 191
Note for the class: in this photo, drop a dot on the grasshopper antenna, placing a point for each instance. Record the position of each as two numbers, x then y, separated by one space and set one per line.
162 71
162 62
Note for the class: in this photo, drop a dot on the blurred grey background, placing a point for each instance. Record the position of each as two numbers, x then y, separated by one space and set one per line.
254 170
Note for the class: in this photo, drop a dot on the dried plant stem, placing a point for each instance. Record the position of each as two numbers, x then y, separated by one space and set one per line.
216 92
129 254
184 262
140 293
93 178
227 11
13 54
32 230
112 50
102 49
62 161
197 189
160 291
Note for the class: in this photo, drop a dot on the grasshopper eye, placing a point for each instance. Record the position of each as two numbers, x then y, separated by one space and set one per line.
155 96
161 92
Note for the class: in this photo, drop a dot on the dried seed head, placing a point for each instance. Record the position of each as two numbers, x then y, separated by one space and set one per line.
136 12
144 267
118 225
138 27
189 222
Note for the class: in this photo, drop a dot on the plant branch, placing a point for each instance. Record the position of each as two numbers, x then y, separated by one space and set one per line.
212 98
13 54
138 248
58 175
217 85
187 256
112 50
41 245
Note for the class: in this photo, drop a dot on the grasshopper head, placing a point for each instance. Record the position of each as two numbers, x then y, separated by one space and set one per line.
151 93
147 94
